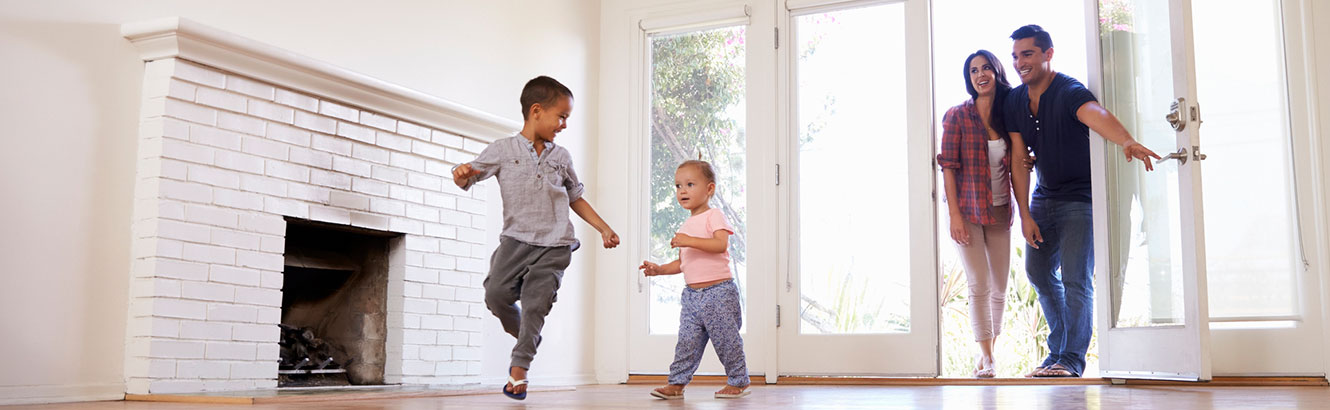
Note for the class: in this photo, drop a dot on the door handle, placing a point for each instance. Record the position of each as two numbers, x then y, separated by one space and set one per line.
1181 156
1175 116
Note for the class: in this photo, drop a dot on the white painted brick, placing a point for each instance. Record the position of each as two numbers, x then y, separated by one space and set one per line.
407 161
453 368
479 221
260 297
437 261
167 268
330 215
471 206
387 206
422 275
179 308
245 124
424 181
339 111
349 200
353 167
269 384
393 141
220 99
153 326
355 132
202 369
273 244
453 308
454 248
370 153
411 321
370 187
454 278
438 168
160 368
233 275
334 180
167 168
181 90
185 151
191 329
378 121
156 247
445 138
480 250
207 174
440 200
472 265
271 280
473 146
263 185
297 100
260 260
265 148
413 130
453 338
171 209
235 239
182 230
269 351
238 161
317 159
174 386
470 235
422 306
270 315
308 192
287 170
403 193
478 280
315 122
230 351
412 289
256 370
420 243
197 74
269 224
406 226
289 134
417 368
227 385
418 337
454 218
432 322
212 216
389 174
466 353
436 353
172 349
458 157
270 111
470 295
237 199
473 370
209 254
328 143
467 324
371 221
423 213
411 352
250 87
415 259
431 151
256 333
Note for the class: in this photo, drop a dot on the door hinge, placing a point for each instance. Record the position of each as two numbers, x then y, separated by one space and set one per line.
777 315
777 30
777 174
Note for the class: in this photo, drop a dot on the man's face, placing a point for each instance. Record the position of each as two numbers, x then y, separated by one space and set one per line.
1030 62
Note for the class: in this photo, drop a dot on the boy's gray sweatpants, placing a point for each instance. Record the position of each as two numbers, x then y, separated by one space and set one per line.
532 274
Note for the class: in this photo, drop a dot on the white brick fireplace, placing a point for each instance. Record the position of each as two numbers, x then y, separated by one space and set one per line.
235 138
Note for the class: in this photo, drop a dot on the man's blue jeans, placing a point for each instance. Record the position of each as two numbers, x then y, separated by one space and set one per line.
1062 272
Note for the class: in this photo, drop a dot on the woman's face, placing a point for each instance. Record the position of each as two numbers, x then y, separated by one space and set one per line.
982 75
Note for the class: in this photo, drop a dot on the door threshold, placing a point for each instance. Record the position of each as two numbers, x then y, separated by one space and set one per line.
997 381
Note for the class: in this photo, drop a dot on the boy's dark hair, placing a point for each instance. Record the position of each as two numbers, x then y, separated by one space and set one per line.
1041 37
544 91
703 166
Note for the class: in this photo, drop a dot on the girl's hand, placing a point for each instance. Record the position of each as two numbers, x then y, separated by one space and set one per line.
958 231
680 241
610 238
649 269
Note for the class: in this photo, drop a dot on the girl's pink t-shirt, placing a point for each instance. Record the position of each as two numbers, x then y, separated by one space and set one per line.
701 266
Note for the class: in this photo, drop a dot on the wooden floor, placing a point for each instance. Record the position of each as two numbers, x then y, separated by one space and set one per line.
824 397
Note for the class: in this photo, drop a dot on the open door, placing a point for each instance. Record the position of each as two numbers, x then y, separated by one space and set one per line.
1151 288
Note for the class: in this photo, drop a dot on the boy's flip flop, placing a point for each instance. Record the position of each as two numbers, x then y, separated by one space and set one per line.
514 383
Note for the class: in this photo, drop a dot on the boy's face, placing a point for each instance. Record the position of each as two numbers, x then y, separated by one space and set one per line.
549 120
1030 62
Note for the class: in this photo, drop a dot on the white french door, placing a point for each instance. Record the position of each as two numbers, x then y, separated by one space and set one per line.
858 284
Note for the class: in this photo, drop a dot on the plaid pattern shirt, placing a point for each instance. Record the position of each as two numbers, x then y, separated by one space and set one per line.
965 148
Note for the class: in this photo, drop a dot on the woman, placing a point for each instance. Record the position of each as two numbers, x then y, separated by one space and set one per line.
976 165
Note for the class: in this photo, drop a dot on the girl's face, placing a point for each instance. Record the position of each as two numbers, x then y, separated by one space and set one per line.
691 188
982 75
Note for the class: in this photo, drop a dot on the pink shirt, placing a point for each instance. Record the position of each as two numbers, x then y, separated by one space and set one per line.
701 266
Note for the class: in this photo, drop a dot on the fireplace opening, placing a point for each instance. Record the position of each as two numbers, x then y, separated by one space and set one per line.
334 305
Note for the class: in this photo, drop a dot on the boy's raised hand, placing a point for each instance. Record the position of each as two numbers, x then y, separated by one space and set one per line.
462 174
649 269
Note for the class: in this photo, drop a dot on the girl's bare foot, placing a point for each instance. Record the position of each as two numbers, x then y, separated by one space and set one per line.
732 392
668 392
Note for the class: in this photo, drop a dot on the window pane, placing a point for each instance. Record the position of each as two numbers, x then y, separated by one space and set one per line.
697 107
853 237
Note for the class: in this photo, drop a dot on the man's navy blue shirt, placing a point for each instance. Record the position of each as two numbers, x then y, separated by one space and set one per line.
1060 141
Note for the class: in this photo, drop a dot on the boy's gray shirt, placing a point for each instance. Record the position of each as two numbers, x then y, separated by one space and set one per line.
536 190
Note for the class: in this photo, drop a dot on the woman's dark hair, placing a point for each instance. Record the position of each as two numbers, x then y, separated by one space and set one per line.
995 116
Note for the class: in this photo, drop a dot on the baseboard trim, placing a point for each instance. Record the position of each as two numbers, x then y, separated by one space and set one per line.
43 394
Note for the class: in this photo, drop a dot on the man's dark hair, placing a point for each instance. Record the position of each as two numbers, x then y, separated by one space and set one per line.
544 91
1041 37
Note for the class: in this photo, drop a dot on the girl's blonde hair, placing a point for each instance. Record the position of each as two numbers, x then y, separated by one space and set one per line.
703 166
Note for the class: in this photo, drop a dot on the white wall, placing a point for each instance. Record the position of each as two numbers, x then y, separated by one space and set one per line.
66 169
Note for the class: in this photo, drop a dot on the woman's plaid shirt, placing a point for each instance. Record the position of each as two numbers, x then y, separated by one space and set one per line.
965 148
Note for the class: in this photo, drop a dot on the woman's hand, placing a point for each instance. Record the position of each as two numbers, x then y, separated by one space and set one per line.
958 231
